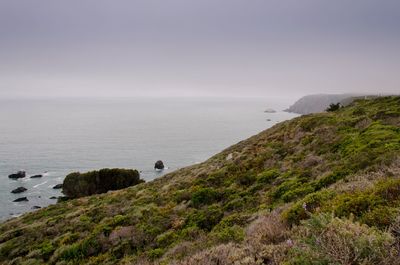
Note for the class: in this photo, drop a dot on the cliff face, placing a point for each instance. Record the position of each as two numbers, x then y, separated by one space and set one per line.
319 102
318 189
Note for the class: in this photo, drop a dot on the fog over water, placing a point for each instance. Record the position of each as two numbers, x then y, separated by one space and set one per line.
198 48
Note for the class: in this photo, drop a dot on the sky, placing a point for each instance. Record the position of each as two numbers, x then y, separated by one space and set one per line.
184 48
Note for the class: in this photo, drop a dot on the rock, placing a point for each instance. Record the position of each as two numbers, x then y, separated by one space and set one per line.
269 111
94 182
36 207
62 199
58 186
19 190
159 165
53 198
268 119
36 176
22 199
19 174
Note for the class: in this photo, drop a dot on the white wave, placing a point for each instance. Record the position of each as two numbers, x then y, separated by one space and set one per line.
40 184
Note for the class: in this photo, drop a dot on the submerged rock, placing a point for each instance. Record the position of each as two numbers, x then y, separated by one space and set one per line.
19 174
58 186
36 207
19 190
269 110
36 176
22 199
159 165
94 182
53 198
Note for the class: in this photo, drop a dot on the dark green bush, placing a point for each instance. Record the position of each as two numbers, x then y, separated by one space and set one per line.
334 107
330 179
206 218
302 209
204 196
268 176
246 179
356 204
381 216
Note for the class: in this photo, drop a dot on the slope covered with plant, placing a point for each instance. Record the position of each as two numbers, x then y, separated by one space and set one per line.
318 189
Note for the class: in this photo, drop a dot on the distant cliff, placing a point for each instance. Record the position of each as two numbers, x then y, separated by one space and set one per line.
319 102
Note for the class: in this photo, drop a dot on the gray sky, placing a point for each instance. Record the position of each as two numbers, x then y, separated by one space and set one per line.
198 47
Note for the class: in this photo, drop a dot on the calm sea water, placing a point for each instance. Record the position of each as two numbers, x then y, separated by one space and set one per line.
63 136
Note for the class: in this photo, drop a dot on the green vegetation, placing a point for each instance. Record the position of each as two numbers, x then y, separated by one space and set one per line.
318 189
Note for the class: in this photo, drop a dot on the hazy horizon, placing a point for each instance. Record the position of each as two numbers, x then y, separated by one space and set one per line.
154 48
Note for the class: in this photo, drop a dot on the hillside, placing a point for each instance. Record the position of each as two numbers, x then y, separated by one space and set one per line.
319 102
319 189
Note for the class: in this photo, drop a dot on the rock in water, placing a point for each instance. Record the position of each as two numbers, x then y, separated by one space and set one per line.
36 176
19 174
94 182
159 165
22 199
270 111
58 186
36 207
19 190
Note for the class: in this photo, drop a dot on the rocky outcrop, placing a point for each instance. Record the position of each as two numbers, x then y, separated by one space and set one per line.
319 102
94 182
58 186
269 110
159 165
19 174
22 199
19 190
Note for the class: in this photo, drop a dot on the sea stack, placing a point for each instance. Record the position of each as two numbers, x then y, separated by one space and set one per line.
58 186
19 174
22 199
19 190
159 165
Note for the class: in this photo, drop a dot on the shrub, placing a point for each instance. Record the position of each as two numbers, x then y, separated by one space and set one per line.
225 254
302 209
334 240
330 179
155 253
356 204
246 179
80 250
204 196
388 190
334 107
381 217
267 176
267 229
297 193
47 249
206 218
228 233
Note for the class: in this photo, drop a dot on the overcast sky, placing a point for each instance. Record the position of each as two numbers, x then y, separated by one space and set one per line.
249 48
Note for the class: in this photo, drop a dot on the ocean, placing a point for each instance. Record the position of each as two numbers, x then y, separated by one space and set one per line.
55 137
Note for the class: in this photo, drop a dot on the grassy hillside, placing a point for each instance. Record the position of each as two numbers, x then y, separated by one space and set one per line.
318 189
